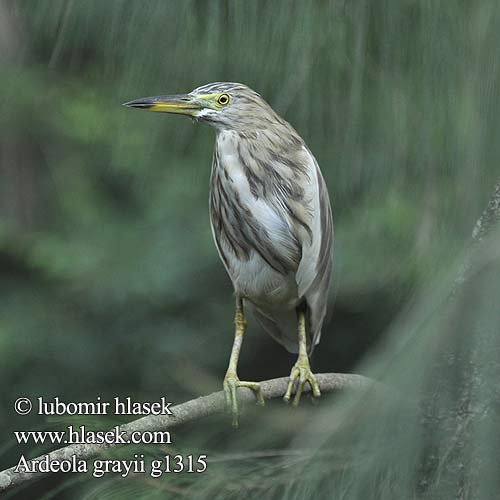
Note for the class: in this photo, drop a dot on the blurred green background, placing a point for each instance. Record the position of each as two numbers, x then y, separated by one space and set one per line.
109 281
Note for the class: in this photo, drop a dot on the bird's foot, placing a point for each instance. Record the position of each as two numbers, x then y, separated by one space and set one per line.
300 375
231 383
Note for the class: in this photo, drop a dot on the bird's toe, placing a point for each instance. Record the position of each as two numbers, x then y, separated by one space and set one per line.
301 375
231 384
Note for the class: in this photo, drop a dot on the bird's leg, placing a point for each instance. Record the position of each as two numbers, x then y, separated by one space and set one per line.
301 371
231 380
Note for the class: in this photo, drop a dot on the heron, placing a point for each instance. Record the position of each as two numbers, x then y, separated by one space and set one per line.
271 221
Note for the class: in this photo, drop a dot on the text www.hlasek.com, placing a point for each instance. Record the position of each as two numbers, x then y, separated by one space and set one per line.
80 435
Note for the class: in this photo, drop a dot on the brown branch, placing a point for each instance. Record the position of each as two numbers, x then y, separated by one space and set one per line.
183 413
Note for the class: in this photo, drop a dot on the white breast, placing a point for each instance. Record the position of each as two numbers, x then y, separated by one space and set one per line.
254 278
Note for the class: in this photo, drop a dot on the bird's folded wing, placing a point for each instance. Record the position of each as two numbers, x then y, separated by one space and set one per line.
315 263
314 271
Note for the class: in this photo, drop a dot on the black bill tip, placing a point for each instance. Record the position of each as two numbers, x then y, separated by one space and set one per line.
139 103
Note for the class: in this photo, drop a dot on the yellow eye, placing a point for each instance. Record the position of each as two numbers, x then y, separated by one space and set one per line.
223 99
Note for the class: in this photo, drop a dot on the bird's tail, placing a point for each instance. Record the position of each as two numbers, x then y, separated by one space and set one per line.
282 326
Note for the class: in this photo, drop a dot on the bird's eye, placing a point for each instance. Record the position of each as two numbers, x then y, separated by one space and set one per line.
223 99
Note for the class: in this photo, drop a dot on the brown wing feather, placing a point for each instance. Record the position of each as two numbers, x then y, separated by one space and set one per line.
317 296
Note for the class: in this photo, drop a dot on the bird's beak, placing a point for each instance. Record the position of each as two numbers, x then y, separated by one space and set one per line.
183 104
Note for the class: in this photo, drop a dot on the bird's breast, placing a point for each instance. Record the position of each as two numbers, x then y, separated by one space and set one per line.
253 236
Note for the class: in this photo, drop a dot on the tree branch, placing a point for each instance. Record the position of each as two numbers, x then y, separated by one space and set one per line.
488 221
186 412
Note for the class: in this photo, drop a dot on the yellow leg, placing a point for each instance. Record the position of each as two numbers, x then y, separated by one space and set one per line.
301 371
231 380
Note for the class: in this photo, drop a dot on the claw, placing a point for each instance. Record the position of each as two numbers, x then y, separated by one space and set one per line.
300 375
231 383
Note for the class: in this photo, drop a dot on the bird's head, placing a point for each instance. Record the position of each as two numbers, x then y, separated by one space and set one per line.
223 105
